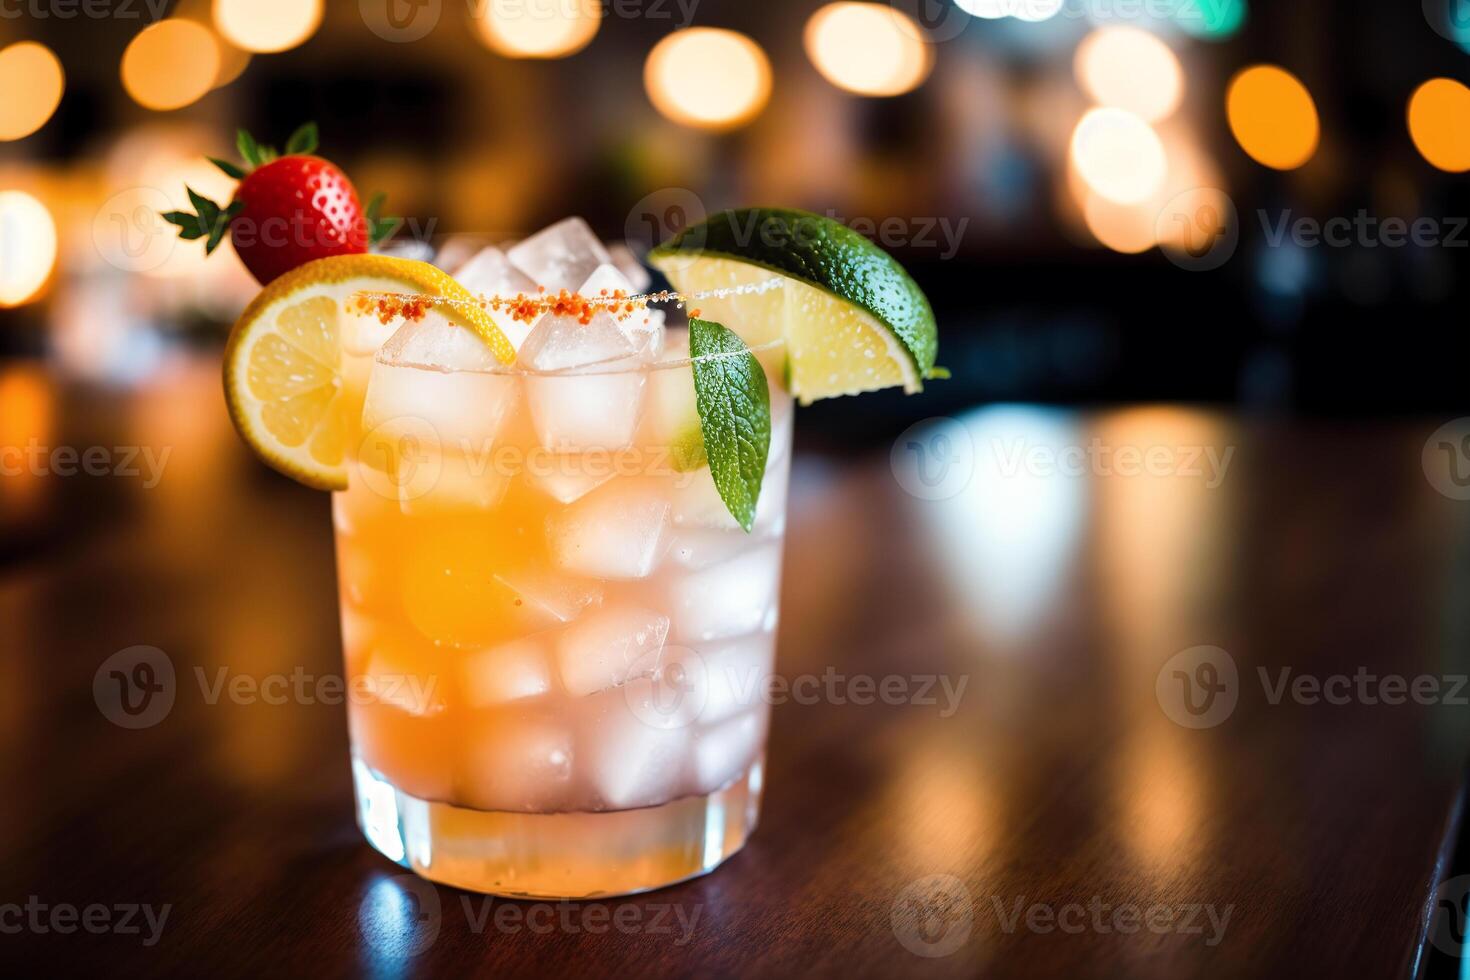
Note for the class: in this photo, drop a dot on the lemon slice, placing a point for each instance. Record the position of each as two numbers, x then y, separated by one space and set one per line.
852 318
283 365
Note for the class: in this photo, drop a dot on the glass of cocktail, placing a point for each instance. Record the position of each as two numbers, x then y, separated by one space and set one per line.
560 631
559 526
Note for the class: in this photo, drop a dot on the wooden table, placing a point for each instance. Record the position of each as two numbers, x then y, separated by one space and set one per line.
1055 821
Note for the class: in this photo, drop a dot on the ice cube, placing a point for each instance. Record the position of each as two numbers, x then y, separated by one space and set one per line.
517 761
698 504
582 413
628 264
727 599
561 256
697 548
430 383
489 274
634 764
725 751
615 532
736 675
558 596
561 343
397 673
642 327
463 483
407 248
567 479
670 414
509 672
435 342
704 686
608 647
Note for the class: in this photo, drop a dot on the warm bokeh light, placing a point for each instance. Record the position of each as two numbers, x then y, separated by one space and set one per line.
267 26
1439 122
1129 68
708 78
27 247
1273 117
32 80
1118 155
538 28
1125 228
27 412
232 63
868 48
171 64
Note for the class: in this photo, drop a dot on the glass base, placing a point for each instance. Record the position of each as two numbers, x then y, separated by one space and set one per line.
558 855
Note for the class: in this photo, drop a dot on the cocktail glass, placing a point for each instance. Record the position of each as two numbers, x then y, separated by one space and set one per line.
556 635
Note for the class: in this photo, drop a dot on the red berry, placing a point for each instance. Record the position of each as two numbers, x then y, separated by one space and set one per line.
296 209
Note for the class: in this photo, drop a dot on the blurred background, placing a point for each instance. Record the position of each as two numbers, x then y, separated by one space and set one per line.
1107 200
958 122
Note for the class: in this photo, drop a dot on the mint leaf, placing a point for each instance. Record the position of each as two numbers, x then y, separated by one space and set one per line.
304 140
734 406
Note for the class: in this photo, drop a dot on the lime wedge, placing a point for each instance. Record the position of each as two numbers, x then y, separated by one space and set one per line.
853 319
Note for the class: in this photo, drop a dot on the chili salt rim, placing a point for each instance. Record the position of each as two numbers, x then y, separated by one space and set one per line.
412 307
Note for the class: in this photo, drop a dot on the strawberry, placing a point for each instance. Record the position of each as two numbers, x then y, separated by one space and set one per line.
287 211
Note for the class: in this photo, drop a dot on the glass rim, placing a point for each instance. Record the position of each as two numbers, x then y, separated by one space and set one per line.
610 367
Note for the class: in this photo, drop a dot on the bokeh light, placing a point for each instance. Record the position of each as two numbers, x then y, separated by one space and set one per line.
171 64
1118 155
267 26
868 48
27 248
537 28
32 80
1029 10
708 78
1439 122
1273 117
1129 68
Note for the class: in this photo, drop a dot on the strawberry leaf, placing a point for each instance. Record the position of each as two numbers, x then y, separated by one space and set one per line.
249 149
380 229
189 227
304 140
222 225
229 168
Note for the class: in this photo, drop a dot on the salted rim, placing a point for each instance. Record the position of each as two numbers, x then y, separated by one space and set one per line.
596 368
